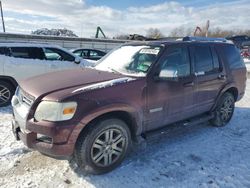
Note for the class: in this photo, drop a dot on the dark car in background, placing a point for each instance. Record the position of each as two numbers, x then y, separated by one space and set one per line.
90 54
95 115
238 40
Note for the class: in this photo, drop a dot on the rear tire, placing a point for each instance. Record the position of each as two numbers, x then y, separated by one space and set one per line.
6 93
103 146
224 110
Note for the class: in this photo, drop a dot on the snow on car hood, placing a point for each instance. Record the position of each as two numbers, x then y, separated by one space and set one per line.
104 84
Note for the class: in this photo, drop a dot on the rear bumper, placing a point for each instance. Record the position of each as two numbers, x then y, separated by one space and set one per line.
53 142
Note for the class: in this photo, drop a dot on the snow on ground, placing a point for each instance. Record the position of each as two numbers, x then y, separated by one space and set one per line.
197 156
247 62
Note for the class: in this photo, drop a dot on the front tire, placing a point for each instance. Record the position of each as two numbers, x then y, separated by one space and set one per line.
224 110
6 93
103 147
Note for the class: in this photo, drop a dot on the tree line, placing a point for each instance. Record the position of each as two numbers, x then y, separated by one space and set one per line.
155 33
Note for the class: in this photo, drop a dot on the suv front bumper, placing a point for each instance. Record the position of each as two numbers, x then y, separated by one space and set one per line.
48 138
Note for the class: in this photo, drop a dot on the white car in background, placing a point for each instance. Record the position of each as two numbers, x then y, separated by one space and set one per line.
22 60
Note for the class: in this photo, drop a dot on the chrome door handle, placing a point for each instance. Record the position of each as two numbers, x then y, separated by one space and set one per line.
221 77
188 84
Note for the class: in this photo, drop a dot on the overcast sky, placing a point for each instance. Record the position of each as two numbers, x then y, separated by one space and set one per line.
123 16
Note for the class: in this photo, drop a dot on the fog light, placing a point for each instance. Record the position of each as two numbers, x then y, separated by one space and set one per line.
44 138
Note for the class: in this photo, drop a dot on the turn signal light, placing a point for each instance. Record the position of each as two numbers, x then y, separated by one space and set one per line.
67 111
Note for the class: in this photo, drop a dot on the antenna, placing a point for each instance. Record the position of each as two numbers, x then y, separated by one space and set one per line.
2 16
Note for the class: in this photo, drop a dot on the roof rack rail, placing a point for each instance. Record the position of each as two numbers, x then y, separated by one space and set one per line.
206 39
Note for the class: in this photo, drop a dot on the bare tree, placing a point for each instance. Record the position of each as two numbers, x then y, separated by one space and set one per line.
154 33
181 32
216 32
122 37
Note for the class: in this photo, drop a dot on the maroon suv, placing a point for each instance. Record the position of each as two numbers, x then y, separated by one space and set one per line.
95 115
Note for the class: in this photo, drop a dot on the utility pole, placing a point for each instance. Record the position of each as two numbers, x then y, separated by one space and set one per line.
2 16
207 27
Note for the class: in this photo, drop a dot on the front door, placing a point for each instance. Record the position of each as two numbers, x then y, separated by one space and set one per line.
170 100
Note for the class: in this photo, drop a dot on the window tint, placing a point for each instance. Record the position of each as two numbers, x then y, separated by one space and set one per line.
93 53
203 59
57 54
96 54
85 53
233 57
4 51
177 59
27 52
216 63
78 53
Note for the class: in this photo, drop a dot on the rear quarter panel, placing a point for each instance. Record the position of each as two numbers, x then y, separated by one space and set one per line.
239 78
236 73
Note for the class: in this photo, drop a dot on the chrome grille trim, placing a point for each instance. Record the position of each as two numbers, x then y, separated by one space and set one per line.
25 98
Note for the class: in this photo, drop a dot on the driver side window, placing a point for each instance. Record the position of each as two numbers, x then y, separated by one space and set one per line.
54 54
176 63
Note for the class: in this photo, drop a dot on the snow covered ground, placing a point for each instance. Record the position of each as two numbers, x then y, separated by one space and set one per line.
197 156
247 62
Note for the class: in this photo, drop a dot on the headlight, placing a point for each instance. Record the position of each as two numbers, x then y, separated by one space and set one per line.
55 111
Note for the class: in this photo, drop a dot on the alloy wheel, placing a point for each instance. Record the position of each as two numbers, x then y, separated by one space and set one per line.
108 147
226 109
5 94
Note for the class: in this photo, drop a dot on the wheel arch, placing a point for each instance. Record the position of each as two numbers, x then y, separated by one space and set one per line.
9 80
131 118
231 89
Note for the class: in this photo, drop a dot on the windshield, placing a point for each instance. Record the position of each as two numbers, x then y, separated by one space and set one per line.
130 60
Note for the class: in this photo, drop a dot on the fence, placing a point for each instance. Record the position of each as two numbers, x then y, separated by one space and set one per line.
66 42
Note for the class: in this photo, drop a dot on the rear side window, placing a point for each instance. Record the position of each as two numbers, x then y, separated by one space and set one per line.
206 59
203 59
78 52
85 53
27 52
233 57
96 54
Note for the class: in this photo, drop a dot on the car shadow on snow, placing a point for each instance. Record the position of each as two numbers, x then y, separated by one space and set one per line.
6 110
138 165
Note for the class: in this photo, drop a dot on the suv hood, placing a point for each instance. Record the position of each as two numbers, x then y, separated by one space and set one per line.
56 81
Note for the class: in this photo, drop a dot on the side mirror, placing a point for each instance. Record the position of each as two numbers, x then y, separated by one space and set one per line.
77 60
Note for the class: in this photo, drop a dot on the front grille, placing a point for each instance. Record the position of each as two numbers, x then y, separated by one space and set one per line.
25 98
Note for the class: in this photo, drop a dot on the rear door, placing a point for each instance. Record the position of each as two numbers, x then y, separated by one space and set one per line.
57 59
24 62
210 76
169 101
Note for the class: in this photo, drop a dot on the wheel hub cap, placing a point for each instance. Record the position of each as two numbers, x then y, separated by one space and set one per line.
4 94
227 109
108 147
